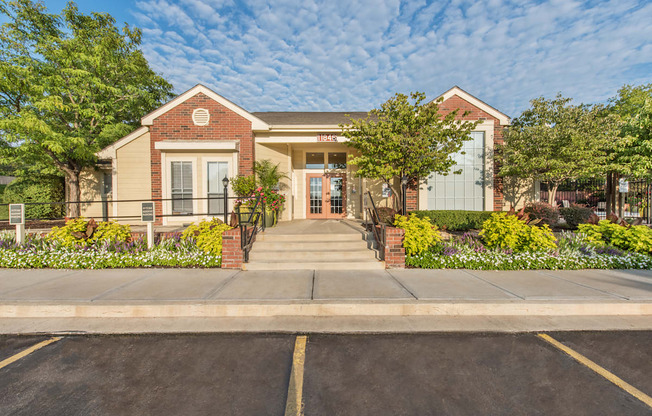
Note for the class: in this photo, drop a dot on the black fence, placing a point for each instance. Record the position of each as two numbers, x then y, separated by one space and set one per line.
214 206
635 203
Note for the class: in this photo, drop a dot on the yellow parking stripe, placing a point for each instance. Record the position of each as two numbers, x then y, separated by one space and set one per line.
600 370
294 405
27 351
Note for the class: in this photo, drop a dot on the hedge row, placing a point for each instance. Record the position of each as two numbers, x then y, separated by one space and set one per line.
456 220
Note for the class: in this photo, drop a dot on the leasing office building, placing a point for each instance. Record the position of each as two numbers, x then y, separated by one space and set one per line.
185 148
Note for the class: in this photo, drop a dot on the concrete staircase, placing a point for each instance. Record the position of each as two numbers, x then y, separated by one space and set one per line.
312 251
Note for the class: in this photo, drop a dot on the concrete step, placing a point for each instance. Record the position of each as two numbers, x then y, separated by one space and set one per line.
308 237
314 265
266 245
318 256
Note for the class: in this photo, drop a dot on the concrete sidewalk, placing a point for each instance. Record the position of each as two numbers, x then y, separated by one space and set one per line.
173 300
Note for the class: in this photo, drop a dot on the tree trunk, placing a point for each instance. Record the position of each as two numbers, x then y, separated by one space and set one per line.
73 195
607 194
552 194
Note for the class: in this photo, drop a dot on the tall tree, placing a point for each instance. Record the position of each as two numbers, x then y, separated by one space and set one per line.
406 137
70 85
632 157
554 141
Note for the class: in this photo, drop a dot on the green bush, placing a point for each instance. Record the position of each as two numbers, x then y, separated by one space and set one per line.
243 186
420 234
207 235
455 220
542 210
77 232
508 232
23 191
636 238
576 214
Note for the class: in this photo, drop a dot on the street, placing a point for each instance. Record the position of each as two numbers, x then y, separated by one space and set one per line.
250 374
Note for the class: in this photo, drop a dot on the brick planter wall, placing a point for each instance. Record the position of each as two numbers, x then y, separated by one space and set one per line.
232 256
394 251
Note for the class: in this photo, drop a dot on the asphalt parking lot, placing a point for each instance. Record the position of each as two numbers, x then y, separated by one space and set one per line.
250 374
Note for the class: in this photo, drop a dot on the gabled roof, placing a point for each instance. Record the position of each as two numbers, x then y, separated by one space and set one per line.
502 117
288 118
256 123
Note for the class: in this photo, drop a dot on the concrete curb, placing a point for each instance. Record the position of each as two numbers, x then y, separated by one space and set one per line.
323 309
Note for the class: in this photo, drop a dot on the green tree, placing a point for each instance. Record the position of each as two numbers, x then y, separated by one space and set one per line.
406 137
554 141
632 156
70 85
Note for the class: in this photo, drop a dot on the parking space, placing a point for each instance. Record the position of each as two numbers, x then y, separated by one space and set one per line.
397 374
158 375
626 354
453 374
13 345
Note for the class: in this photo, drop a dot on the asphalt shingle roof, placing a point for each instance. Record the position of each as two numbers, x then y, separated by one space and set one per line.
309 118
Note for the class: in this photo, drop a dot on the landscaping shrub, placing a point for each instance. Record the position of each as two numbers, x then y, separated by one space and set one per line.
636 238
23 191
542 210
509 232
38 252
455 220
576 214
207 235
420 234
83 232
386 215
243 186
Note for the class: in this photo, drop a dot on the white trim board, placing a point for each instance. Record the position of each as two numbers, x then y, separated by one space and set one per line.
109 152
197 145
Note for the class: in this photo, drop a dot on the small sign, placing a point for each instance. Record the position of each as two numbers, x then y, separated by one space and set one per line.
387 191
147 212
623 186
16 214
326 137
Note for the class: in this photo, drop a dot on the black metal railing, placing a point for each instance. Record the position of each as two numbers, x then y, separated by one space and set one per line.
377 226
250 223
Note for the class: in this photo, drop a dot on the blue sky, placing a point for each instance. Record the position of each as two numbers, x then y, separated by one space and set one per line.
343 55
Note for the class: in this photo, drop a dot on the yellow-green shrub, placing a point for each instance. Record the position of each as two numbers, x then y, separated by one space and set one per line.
637 238
508 232
207 235
420 234
105 231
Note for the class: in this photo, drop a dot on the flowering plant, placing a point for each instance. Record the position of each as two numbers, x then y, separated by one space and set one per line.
268 197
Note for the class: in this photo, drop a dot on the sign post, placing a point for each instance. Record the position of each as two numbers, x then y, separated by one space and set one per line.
623 186
17 218
147 215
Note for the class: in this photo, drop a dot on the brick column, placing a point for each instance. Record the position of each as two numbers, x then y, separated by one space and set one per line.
411 199
232 256
394 250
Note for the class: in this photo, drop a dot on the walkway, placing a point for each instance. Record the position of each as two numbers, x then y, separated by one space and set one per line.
294 300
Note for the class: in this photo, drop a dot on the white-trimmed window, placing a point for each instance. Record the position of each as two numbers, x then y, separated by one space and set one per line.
216 172
181 192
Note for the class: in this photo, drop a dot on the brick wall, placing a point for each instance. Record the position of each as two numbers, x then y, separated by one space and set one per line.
232 256
475 113
177 124
394 251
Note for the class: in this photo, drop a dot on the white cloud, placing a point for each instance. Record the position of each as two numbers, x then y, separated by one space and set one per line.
344 55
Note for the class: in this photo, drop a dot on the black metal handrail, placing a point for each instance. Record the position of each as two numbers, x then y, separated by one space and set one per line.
378 228
249 228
